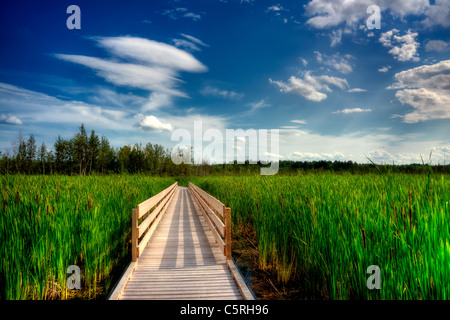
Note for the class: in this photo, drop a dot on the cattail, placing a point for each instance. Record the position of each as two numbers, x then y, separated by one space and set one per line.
404 218
410 209
313 212
17 197
364 237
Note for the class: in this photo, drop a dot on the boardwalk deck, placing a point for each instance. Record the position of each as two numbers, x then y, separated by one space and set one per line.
182 261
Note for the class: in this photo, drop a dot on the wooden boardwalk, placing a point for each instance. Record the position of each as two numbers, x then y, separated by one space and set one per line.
182 260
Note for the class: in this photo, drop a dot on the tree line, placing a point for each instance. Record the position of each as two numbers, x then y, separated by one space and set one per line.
86 154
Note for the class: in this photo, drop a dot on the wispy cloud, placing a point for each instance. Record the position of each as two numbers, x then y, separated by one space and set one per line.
437 45
150 65
310 87
180 12
352 110
357 90
299 121
258 105
225 94
336 61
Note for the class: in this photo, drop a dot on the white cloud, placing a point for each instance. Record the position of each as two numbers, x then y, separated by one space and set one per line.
438 15
194 40
150 65
216 92
357 90
127 74
156 101
10 119
275 8
336 37
403 48
384 69
437 45
152 122
36 108
311 156
309 86
299 121
193 16
304 62
331 13
258 105
304 145
354 110
182 43
152 53
301 88
178 13
336 61
426 89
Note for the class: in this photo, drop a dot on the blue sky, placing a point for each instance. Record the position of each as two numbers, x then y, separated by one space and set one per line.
138 70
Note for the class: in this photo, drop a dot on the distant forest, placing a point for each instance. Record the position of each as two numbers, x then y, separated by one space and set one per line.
87 154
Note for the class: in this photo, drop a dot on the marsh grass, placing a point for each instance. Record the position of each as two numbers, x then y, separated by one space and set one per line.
51 222
327 229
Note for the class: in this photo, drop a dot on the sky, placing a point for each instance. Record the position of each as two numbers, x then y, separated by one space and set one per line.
335 84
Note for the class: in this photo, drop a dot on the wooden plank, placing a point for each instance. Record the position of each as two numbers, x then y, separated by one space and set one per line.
118 290
134 239
189 264
227 215
246 294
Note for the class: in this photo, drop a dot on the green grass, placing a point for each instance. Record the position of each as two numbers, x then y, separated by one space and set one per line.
48 223
327 229
323 230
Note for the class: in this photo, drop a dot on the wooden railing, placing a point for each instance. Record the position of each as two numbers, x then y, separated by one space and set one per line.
217 216
152 211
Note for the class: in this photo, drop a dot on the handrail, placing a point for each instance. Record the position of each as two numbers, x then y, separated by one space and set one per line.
155 208
218 217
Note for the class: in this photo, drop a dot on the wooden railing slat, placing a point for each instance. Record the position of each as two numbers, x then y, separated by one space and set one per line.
216 204
148 235
148 204
210 206
219 224
153 215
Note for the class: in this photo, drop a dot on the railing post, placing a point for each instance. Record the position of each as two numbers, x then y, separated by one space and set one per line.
227 216
134 240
